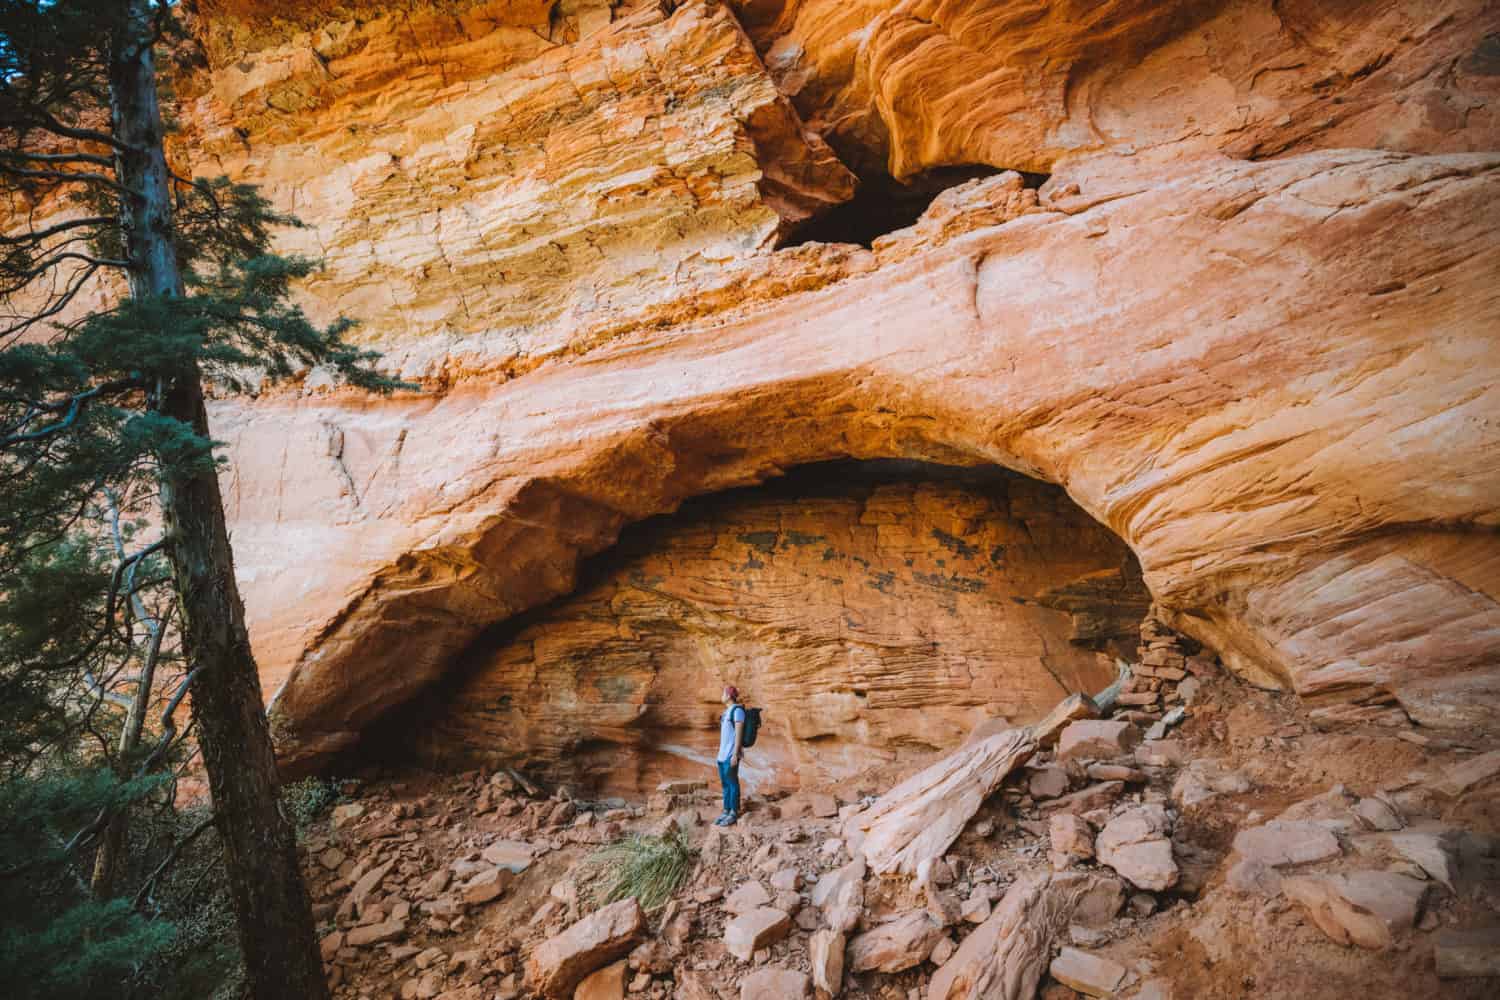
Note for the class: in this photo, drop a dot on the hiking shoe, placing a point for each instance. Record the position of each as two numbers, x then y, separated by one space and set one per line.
730 820
722 817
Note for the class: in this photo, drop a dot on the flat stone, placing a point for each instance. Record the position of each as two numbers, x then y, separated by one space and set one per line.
897 945
1465 775
750 896
1364 908
1090 974
1377 815
607 983
330 945
1085 799
388 930
1284 842
774 984
1097 739
1462 954
755 929
512 854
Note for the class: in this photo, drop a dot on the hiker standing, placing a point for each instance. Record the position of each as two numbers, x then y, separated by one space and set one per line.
731 748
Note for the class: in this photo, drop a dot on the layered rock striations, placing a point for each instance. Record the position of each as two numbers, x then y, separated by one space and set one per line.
872 610
1263 361
483 189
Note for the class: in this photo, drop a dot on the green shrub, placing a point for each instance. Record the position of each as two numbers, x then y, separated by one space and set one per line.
647 867
309 800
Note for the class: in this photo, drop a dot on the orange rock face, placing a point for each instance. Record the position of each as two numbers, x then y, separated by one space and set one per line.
1262 359
870 611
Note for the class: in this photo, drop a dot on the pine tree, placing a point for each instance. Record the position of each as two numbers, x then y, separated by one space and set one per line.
93 403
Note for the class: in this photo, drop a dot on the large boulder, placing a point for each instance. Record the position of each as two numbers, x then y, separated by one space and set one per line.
558 965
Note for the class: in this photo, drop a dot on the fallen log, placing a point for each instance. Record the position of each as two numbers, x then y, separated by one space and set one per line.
1004 959
921 817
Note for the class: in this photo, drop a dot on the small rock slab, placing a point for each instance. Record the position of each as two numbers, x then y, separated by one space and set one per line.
750 896
1461 777
515 855
1363 908
896 945
606 984
759 928
1284 842
774 984
1090 974
1097 739
388 930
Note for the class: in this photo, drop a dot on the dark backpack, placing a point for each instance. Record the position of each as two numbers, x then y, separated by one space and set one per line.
752 727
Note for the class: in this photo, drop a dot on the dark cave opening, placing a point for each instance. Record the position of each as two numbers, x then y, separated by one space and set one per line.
882 205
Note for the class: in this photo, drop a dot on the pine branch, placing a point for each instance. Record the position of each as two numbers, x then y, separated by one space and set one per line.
36 236
102 161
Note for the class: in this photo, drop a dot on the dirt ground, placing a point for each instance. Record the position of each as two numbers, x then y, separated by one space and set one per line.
1203 940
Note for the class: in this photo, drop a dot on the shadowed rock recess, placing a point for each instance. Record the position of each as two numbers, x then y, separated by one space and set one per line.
1223 274
876 608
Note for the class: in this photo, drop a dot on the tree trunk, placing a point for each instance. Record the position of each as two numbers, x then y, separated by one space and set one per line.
260 855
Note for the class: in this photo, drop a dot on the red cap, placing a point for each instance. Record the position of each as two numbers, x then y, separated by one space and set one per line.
732 691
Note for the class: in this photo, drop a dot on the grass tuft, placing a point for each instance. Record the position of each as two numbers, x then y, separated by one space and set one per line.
650 868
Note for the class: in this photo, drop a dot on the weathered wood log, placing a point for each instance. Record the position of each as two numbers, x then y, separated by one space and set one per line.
921 817
1005 958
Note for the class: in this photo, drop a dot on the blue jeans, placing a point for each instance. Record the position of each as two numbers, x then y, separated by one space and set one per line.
729 777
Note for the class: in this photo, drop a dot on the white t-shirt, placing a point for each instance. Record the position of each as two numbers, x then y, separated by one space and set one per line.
726 730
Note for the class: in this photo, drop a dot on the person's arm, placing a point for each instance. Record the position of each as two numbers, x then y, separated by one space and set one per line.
739 738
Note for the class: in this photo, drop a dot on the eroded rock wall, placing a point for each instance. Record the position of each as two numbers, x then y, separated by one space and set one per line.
872 609
1262 359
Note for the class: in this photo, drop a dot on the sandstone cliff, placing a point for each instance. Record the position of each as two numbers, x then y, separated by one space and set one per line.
1241 307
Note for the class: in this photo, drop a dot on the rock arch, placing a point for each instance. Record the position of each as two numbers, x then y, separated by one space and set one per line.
1267 378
